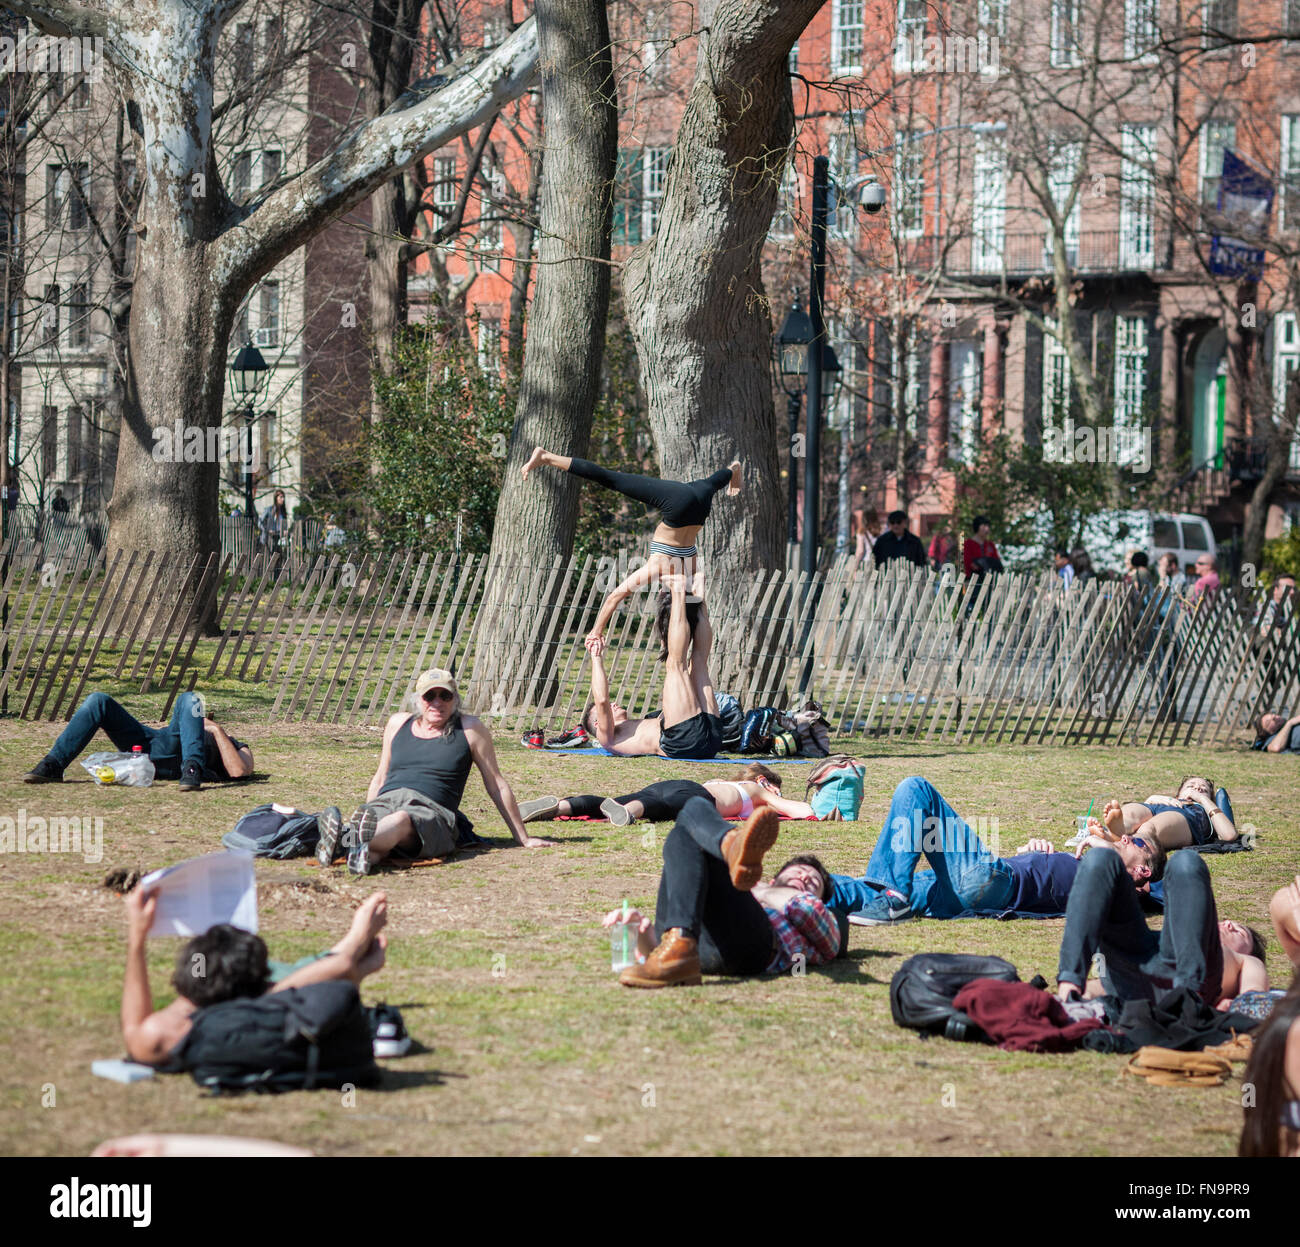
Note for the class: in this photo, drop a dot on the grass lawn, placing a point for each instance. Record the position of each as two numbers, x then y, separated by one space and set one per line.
525 1042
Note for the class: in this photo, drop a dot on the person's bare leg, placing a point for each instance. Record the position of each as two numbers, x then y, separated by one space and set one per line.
393 829
1169 829
1284 909
540 456
679 698
701 680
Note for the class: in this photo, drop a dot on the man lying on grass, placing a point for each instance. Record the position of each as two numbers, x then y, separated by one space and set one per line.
964 876
1216 960
226 963
715 915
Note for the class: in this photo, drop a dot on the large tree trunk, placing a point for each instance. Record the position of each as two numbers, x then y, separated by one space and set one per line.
696 304
566 335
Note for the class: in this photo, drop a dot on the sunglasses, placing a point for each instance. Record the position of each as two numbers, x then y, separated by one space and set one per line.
439 694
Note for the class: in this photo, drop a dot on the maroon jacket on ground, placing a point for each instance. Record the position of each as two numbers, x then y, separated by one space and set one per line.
1020 1017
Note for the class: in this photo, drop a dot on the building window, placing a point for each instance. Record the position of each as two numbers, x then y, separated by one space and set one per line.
243 59
787 202
489 342
1137 192
489 233
494 31
846 36
68 194
654 176
1291 19
989 207
1218 22
273 53
272 163
1141 29
964 393
1056 378
88 465
1286 356
842 154
73 420
1289 208
49 442
79 316
1065 33
241 177
793 63
446 187
1130 379
913 363
268 301
655 49
50 319
1215 137
909 46
1063 168
909 185
992 18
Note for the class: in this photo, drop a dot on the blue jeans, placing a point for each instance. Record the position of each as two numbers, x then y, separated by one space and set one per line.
1104 916
169 747
964 874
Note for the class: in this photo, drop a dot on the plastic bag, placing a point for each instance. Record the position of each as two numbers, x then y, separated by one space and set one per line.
135 770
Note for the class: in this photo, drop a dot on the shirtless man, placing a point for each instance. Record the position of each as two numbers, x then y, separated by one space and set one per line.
1217 960
234 964
1284 909
1192 817
690 726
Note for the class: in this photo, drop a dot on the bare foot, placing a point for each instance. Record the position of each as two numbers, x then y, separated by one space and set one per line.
535 460
367 922
1112 815
737 478
371 961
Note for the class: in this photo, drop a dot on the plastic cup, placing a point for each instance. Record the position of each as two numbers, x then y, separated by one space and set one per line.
622 946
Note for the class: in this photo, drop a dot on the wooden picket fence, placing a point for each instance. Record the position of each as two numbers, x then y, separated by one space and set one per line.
903 653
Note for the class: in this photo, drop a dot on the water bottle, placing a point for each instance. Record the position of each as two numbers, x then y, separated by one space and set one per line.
622 943
142 769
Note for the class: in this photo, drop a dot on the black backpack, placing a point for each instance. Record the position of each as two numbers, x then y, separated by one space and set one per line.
297 1039
922 990
733 719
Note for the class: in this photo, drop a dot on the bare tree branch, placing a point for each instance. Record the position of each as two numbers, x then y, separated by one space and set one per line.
57 18
371 154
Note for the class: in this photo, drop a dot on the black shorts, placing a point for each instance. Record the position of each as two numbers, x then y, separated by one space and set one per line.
700 736
1198 821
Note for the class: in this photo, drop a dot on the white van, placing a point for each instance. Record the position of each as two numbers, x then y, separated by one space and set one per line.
1108 537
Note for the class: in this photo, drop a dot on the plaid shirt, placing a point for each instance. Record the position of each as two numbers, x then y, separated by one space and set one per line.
806 928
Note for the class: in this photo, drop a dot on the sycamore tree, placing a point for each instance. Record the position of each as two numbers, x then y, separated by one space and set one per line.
199 252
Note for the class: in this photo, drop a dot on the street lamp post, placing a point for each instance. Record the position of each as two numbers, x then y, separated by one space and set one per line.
247 377
792 371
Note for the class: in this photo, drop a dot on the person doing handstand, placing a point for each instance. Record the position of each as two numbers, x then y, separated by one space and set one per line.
683 507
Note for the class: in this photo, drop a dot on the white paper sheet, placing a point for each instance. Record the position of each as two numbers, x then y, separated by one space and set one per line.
200 893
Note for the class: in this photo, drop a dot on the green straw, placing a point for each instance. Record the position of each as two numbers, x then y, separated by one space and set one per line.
626 958
1087 816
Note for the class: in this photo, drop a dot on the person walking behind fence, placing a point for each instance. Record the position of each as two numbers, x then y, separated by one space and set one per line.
190 748
979 554
690 726
898 543
1064 568
714 915
412 807
682 507
1207 577
943 550
275 524
1082 564
866 531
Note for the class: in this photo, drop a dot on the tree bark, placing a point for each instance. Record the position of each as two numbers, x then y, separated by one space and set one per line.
560 382
696 303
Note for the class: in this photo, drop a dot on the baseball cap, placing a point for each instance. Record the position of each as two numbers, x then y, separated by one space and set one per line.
435 677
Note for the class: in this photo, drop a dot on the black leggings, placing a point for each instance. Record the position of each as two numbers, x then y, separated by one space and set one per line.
662 801
681 506
696 894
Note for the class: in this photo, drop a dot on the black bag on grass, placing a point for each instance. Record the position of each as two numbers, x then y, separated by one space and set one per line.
733 720
922 990
304 1037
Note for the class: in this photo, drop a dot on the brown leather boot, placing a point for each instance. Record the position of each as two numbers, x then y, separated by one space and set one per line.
744 846
675 963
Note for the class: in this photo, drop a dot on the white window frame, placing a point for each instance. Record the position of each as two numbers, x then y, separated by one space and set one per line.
1063 168
654 178
1131 347
1065 34
266 296
909 185
1288 182
1228 132
1207 40
488 346
843 156
989 205
1056 378
911 378
446 184
909 37
991 16
1137 184
847 18
656 46
1141 31
1286 356
965 373
787 200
